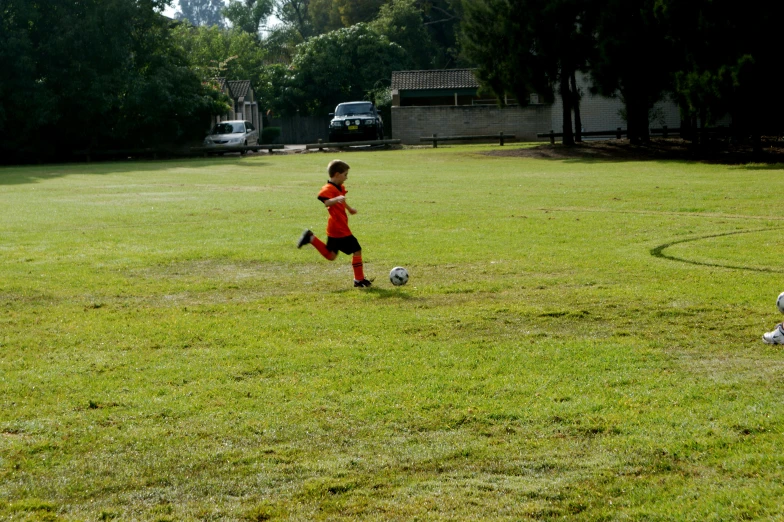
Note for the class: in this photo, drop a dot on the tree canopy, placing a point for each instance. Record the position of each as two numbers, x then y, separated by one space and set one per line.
101 73
339 66
201 12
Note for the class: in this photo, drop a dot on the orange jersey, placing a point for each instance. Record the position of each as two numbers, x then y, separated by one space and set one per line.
337 225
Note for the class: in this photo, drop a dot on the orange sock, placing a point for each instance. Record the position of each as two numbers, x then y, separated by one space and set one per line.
359 273
321 247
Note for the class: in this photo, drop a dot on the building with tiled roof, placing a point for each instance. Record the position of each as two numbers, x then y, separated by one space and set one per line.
434 87
243 103
434 79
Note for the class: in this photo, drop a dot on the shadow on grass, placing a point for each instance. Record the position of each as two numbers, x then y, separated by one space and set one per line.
19 175
659 252
762 166
658 150
380 293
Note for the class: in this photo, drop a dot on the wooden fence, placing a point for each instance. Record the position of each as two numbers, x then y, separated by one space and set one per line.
299 130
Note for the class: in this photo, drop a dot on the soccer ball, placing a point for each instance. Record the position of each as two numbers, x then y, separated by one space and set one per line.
779 301
398 276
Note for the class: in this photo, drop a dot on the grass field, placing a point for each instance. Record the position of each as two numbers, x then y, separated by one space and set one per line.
579 340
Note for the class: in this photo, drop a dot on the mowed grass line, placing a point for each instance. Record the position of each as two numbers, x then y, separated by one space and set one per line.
166 353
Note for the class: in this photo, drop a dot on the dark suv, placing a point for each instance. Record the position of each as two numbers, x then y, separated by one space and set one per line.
356 121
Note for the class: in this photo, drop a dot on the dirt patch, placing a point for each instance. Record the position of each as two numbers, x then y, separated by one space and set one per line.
657 149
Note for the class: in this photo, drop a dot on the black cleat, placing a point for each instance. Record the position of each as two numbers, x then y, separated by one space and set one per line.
304 239
362 284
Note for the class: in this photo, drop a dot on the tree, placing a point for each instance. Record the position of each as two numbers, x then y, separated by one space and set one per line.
18 78
294 14
104 75
442 20
339 66
202 12
230 53
634 58
729 62
330 15
248 15
524 46
402 22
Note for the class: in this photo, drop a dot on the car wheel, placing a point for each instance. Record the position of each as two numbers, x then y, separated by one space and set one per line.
243 152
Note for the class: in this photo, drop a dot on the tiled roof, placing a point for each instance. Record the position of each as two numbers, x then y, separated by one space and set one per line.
434 79
239 88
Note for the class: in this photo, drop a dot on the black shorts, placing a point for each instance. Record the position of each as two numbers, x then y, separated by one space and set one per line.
348 245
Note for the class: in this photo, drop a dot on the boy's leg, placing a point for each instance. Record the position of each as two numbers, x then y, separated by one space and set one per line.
309 237
322 248
359 271
356 263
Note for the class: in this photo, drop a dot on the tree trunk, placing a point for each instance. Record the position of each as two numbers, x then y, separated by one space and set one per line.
578 123
637 120
566 97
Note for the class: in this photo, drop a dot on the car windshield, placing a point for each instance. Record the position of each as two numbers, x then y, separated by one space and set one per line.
350 109
228 128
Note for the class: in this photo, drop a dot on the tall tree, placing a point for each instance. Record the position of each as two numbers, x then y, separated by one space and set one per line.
634 58
402 22
330 15
202 12
249 15
730 62
524 46
295 14
442 19
19 77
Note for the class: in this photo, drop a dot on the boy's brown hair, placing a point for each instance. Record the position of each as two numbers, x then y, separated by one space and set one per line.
337 167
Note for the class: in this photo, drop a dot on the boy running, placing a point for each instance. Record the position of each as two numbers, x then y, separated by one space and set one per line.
339 236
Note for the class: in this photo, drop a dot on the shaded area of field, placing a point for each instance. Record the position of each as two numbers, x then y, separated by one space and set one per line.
658 149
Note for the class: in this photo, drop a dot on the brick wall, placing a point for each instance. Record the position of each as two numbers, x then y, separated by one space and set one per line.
598 113
411 123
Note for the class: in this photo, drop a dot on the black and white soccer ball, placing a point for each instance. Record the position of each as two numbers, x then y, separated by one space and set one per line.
779 302
398 276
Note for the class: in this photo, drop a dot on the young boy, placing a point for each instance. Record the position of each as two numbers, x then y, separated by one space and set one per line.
339 237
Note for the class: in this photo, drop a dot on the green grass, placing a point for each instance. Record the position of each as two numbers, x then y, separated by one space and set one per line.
579 340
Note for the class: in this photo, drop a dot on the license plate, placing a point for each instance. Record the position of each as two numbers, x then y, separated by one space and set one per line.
353 127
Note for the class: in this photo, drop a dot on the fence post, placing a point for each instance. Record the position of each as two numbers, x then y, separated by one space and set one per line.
552 137
618 133
501 136
435 141
319 144
664 132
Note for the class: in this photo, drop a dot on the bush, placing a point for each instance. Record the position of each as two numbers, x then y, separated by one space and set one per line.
270 134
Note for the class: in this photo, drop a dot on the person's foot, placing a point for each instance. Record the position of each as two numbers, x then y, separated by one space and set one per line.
774 337
362 284
304 239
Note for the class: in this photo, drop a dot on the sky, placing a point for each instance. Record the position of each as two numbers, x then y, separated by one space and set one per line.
170 10
174 7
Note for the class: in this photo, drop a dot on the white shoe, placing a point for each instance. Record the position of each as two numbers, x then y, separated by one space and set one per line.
774 337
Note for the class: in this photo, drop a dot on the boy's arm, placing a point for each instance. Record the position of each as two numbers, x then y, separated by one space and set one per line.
334 201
